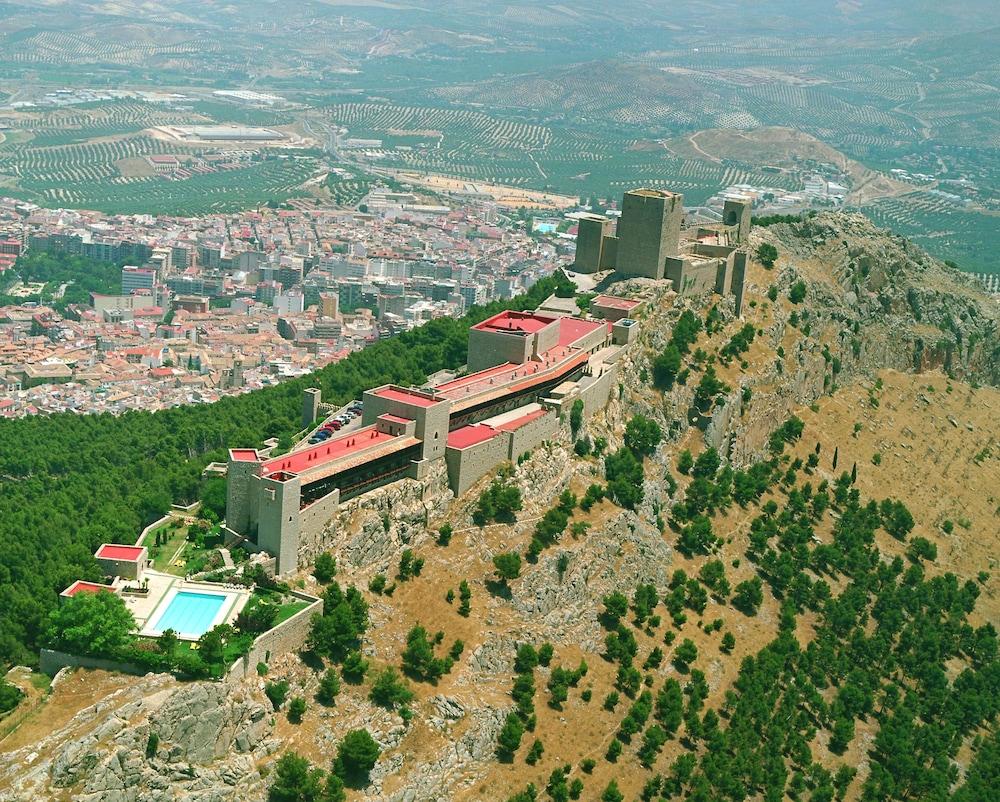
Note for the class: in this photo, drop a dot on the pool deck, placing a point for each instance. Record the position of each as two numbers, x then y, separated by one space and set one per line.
146 609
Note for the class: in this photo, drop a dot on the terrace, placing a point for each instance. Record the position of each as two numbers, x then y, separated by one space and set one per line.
337 454
551 362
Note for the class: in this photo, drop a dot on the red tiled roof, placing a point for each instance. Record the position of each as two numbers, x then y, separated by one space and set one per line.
333 449
404 396
86 587
244 454
572 329
616 303
113 551
515 322
471 435
517 423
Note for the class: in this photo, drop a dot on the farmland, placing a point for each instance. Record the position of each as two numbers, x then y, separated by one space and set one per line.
479 147
94 157
965 236
576 100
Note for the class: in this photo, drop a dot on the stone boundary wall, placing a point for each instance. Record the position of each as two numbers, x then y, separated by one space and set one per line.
142 535
288 636
50 661
467 465
314 517
526 437
596 390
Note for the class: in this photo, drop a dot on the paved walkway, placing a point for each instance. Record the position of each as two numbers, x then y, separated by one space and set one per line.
227 558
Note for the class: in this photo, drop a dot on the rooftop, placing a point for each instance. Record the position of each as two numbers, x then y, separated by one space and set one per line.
113 551
243 454
613 302
515 323
651 193
471 435
405 396
331 451
80 586
486 430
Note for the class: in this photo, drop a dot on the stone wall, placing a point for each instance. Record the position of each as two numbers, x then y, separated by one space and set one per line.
692 276
151 527
288 636
313 518
531 434
241 498
489 348
467 465
595 390
50 661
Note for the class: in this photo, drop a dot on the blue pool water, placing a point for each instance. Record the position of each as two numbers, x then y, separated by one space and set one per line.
190 613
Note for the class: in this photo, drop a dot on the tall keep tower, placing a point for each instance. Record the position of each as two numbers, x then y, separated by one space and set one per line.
649 231
591 232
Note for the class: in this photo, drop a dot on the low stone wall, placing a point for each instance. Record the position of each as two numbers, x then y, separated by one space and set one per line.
142 536
50 661
288 636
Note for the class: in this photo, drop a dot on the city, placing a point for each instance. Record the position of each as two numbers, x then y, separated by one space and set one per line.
225 304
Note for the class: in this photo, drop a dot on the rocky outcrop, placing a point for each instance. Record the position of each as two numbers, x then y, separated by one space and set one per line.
210 737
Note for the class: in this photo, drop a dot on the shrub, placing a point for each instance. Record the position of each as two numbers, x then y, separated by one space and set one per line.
767 254
666 366
499 502
388 690
354 668
510 737
277 692
296 710
535 753
508 566
418 657
526 658
576 416
90 624
356 756
465 599
329 687
642 435
325 568
295 780
748 596
444 535
625 477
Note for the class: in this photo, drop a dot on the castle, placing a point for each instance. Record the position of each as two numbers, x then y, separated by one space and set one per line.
526 370
650 241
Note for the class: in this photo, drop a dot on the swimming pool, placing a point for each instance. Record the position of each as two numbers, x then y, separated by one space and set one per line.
190 614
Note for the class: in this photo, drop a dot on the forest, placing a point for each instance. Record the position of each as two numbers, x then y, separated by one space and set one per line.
69 483
80 276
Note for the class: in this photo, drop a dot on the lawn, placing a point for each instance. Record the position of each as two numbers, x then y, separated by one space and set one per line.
163 553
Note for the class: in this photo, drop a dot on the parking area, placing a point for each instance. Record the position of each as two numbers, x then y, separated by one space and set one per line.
345 419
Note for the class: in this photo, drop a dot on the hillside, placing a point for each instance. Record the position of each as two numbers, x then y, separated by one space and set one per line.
863 356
